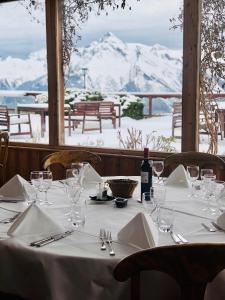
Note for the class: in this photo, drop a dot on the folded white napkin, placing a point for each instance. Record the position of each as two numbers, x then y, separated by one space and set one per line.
221 221
14 189
140 232
89 176
34 221
178 177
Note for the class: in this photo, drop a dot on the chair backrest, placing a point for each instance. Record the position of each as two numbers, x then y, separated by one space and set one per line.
203 160
177 108
106 107
58 162
4 141
192 266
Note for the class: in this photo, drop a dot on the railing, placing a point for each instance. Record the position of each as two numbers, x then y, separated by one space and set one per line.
168 96
149 96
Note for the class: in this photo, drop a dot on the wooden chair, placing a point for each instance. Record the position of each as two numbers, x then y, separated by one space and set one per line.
58 162
4 142
203 160
86 112
107 111
176 116
8 120
193 266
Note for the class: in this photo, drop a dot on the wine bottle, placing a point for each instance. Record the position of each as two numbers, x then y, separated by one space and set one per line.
146 173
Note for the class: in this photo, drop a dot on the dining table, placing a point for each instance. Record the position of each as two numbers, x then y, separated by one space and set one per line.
76 268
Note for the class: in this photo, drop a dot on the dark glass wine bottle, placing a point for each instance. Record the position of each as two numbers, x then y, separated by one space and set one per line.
146 173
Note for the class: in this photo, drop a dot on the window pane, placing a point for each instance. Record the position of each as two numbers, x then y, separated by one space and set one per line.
128 66
23 72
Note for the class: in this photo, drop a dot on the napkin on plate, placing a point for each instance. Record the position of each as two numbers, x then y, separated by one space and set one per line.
178 178
140 232
89 176
34 221
14 189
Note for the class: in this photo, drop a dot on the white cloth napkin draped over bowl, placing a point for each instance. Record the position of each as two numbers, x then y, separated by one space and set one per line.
140 232
178 178
14 189
89 176
34 221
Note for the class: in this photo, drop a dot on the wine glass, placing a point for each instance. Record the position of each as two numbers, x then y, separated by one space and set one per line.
158 167
46 184
193 174
36 180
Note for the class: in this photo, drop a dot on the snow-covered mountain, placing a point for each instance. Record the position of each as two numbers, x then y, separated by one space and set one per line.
112 65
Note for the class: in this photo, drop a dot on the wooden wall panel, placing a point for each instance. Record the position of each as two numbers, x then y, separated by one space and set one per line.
22 160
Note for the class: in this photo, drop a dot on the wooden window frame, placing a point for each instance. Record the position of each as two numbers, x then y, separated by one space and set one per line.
190 94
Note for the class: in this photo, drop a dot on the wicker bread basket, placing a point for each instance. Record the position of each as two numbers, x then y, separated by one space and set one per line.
122 187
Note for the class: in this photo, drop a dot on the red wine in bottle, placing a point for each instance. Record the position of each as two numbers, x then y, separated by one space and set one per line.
146 173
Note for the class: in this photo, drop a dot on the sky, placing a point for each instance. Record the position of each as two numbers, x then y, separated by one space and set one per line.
147 22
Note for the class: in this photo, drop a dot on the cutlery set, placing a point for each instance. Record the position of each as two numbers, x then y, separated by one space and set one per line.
106 239
178 238
51 239
213 227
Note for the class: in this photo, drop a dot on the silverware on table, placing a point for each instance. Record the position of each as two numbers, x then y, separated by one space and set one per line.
217 226
175 238
183 240
208 227
101 236
50 239
109 242
10 220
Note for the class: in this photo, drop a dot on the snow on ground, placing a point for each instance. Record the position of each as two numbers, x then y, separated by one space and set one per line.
161 125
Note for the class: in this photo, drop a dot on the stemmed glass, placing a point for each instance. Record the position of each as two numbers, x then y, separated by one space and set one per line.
36 178
210 186
149 205
193 174
46 184
158 167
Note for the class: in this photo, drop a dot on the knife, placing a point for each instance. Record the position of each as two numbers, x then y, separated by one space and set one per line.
183 240
50 239
217 226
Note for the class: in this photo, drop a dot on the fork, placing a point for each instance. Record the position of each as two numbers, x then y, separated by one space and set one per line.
101 236
109 242
209 228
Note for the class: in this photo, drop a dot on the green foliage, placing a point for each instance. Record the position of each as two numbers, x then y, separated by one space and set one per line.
134 110
95 96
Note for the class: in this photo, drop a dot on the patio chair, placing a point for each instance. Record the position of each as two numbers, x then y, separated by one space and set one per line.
107 111
4 142
192 266
86 112
58 162
203 160
176 116
7 121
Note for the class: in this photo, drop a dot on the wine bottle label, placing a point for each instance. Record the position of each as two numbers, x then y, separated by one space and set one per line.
144 177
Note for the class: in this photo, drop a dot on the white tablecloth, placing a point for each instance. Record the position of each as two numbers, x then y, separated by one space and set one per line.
75 267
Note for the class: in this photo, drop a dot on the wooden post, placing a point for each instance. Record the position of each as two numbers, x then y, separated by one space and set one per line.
150 106
191 67
55 71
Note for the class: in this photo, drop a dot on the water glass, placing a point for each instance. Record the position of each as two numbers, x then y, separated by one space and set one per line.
79 214
193 174
210 186
158 194
36 178
150 205
165 220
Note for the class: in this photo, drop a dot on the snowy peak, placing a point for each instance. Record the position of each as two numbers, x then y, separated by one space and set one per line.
112 64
